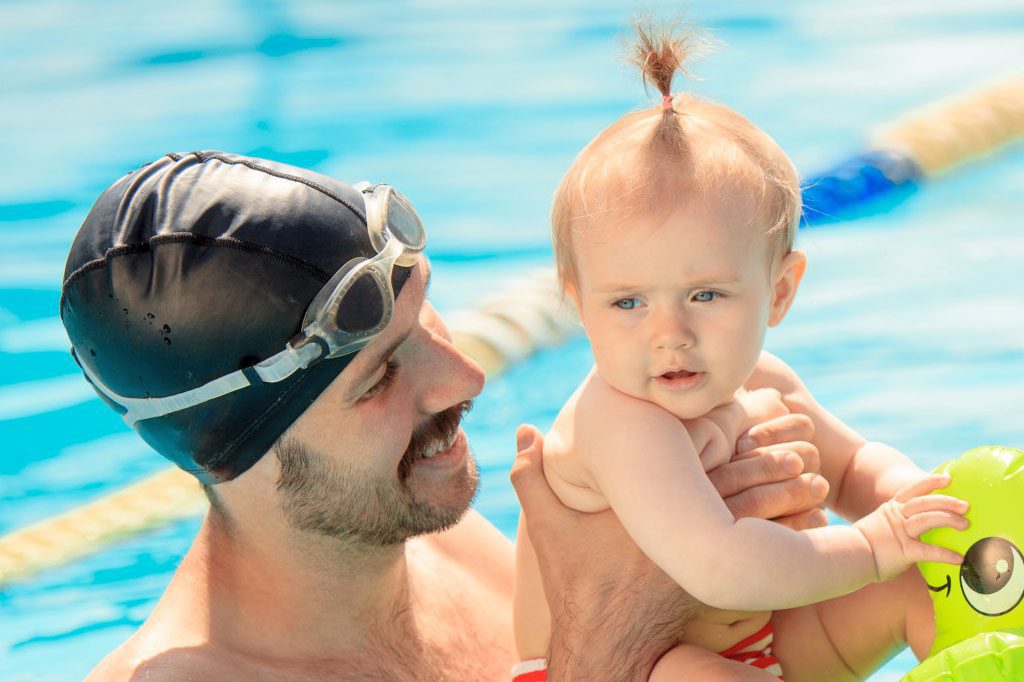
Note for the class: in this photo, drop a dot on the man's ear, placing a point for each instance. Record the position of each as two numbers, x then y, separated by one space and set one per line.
785 283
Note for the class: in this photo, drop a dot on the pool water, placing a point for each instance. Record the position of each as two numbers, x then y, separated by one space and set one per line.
909 324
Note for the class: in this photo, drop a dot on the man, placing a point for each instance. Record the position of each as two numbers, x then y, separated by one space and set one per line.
231 307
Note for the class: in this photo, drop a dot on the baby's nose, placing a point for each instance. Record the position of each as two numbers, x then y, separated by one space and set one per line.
671 331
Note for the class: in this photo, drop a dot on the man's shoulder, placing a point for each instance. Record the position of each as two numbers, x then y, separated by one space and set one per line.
140 659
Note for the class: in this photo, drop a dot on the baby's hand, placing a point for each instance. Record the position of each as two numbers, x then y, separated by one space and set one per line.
892 529
730 420
760 405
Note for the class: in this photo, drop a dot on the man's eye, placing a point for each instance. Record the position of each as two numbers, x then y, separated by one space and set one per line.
386 379
627 303
705 296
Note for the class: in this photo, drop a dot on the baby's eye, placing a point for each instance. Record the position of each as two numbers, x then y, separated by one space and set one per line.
626 303
705 296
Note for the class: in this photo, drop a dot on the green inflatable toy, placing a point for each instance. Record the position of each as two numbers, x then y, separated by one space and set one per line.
979 618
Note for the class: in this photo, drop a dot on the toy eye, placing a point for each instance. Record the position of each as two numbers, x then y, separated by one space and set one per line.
992 576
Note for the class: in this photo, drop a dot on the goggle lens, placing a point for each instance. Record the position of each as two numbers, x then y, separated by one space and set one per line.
361 308
404 223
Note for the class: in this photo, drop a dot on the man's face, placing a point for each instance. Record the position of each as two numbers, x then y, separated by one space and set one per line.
380 457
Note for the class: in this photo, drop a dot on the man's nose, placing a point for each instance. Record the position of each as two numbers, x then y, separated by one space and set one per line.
451 376
671 329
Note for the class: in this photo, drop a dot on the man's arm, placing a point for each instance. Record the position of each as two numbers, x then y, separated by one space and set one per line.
606 597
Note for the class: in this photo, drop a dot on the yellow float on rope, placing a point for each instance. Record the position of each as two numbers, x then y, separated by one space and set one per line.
959 129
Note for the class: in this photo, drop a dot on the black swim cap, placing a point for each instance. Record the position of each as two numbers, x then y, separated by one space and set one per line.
195 266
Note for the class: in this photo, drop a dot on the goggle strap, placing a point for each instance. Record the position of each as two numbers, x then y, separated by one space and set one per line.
272 370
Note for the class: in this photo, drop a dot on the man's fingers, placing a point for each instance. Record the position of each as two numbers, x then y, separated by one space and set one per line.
770 466
813 518
527 473
779 499
790 427
807 452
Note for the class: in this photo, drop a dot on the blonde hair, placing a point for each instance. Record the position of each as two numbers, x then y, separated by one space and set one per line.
686 147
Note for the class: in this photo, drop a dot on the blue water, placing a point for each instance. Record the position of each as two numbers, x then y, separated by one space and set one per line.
908 325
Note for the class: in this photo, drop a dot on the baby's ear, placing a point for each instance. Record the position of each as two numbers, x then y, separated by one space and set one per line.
785 282
569 287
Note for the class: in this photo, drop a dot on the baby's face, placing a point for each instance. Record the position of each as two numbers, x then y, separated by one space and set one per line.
676 310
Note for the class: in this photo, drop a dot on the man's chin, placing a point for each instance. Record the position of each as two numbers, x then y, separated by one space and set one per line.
447 503
340 502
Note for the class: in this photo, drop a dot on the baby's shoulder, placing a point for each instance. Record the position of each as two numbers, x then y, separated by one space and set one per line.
599 415
599 402
772 372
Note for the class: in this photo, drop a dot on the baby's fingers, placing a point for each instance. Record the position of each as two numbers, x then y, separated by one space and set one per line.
922 487
926 503
926 521
925 552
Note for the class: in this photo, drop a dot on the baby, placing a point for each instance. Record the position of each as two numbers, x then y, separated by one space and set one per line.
673 233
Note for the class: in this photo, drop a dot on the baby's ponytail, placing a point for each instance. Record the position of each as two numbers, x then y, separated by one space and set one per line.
641 166
660 50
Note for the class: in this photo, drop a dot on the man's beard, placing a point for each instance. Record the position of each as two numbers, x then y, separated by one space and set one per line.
341 501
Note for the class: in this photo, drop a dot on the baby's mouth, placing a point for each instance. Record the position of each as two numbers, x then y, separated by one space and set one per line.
680 379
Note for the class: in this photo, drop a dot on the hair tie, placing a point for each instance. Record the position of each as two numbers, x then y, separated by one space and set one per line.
666 102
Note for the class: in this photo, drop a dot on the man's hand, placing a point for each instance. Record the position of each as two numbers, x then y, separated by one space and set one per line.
774 474
604 593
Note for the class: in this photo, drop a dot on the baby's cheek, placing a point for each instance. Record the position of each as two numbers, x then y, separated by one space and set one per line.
635 373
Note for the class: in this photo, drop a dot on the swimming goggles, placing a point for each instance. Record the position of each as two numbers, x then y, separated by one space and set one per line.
349 311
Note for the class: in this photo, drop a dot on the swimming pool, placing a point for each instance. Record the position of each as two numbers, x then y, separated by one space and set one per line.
908 325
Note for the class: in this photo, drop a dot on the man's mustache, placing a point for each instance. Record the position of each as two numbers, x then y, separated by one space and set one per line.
439 429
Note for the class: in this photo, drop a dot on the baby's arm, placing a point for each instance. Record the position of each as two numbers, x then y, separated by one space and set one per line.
667 504
861 474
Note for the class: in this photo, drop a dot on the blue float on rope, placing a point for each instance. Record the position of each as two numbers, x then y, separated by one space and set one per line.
856 185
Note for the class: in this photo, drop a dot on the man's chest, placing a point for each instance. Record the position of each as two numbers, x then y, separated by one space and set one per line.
462 650
465 633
